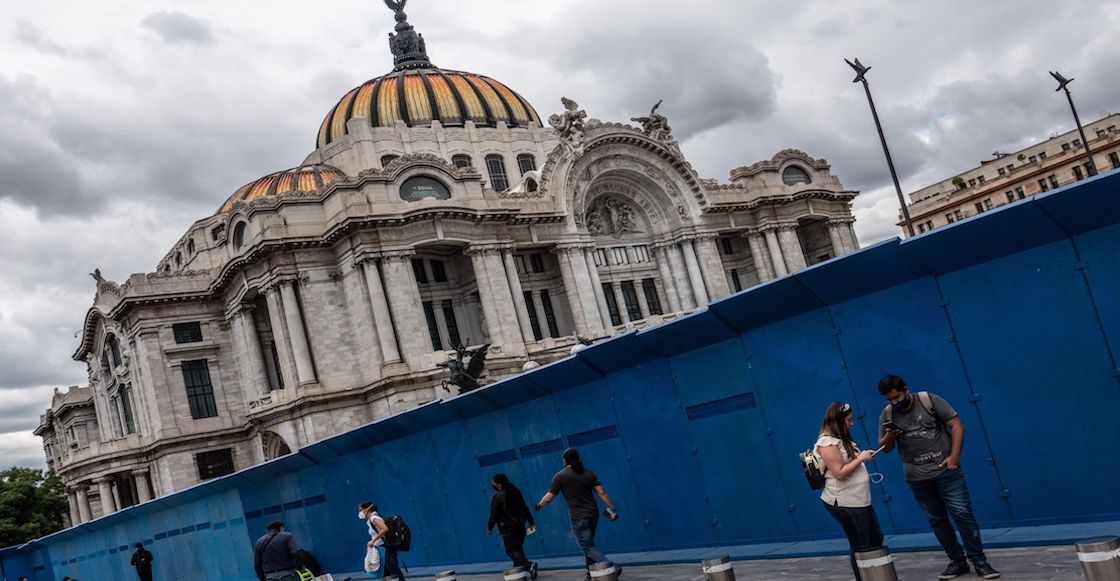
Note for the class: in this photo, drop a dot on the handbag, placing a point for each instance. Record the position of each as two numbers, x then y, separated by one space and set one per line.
374 562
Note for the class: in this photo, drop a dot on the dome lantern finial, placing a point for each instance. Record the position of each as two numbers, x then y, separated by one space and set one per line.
407 45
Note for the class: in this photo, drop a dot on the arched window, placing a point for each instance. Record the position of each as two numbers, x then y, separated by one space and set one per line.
178 259
388 159
461 160
239 235
526 163
496 167
190 246
793 175
114 349
530 185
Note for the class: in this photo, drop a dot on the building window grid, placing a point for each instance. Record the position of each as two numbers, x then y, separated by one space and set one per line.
641 253
612 304
728 247
1043 185
988 204
536 262
461 160
600 256
630 298
433 327
214 463
653 300
200 392
534 320
949 218
738 285
618 254
452 323
1053 181
1114 159
526 163
1020 193
418 271
496 167
549 314
439 272
126 406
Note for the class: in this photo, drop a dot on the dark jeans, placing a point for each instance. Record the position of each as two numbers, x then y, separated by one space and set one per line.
145 573
584 530
861 526
392 564
514 540
946 495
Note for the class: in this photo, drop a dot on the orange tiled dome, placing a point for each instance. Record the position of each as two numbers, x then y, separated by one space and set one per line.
419 96
308 178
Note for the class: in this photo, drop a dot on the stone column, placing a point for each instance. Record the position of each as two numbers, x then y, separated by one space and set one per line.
835 236
105 491
582 273
85 513
382 318
116 494
640 291
305 369
850 235
244 319
72 502
791 247
758 254
679 275
567 274
620 300
404 305
695 277
487 294
143 491
518 296
775 252
280 336
661 254
712 266
542 320
597 286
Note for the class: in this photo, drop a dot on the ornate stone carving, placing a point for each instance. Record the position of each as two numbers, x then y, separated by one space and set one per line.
570 126
407 45
656 126
104 285
610 216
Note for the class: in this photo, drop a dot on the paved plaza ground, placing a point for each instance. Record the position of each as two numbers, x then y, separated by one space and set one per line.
1057 563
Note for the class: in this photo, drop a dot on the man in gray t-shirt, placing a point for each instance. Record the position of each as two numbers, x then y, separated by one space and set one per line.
930 436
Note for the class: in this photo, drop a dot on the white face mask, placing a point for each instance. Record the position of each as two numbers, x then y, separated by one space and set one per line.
361 515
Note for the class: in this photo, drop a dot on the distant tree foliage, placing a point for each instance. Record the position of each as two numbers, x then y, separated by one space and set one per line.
31 505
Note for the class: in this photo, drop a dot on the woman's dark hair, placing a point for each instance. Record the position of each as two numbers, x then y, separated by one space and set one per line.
833 425
571 458
502 479
367 505
890 383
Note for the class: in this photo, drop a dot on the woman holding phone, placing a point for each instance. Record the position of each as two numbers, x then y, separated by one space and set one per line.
847 487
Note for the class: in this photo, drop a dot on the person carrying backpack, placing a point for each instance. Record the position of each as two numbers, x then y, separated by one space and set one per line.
847 484
511 515
379 536
930 436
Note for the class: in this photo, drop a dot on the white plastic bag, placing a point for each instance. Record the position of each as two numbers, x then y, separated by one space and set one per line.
373 561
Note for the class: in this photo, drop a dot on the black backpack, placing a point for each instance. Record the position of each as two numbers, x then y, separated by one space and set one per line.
814 469
399 536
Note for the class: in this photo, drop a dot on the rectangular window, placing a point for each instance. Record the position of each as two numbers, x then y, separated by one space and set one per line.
1114 159
549 314
496 167
980 179
452 324
1065 147
1089 169
1100 133
1077 173
200 393
1002 171
418 271
958 214
526 163
727 247
126 405
921 229
534 320
738 285
1032 159
649 287
1042 155
988 204
612 305
949 217
618 254
214 463
979 208
630 297
187 332
1042 185
929 225
972 183
1053 181
1010 197
439 273
1011 168
641 253
1077 143
433 327
536 260
1019 193
600 255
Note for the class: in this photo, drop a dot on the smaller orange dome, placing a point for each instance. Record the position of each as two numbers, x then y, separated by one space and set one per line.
307 178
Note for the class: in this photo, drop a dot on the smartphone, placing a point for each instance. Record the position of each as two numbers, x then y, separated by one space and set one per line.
531 530
890 426
880 449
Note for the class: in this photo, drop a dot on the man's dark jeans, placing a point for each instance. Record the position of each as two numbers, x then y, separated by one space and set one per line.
946 495
861 526
584 530
393 564
514 540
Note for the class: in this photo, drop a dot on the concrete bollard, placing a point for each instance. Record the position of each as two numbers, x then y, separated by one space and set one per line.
1100 558
515 574
876 565
718 569
446 576
605 571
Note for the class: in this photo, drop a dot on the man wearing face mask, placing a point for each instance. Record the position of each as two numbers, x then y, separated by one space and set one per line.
510 513
930 436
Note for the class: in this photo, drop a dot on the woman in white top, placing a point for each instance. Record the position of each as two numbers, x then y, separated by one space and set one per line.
847 485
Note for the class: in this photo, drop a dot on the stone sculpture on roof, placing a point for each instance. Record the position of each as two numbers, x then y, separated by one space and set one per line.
569 125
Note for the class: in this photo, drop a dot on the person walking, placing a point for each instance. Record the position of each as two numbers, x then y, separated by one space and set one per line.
142 560
579 487
377 531
930 437
847 484
510 513
274 554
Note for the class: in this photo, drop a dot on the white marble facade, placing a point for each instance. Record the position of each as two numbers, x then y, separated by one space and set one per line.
301 311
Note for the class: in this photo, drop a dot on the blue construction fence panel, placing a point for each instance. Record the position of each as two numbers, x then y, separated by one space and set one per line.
694 426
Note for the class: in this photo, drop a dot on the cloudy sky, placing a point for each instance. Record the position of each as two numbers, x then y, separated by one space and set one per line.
122 121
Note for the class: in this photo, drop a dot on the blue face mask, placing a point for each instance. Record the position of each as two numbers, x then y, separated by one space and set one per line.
905 403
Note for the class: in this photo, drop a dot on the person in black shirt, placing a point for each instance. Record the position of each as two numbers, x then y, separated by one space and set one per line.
511 515
274 554
142 560
577 484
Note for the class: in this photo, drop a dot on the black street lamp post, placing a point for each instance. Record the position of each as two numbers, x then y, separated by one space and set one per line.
861 72
1063 85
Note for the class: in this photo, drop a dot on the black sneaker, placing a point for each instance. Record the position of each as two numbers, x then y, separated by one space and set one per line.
954 570
985 571
533 570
